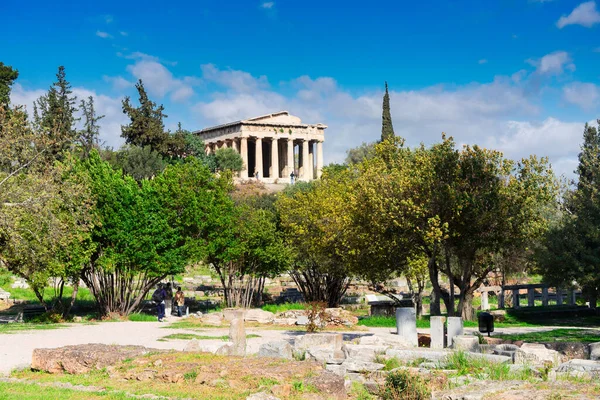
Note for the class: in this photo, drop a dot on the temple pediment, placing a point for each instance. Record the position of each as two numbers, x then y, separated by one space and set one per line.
281 117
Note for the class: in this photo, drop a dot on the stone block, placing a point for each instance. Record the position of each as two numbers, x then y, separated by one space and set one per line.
455 328
336 369
329 385
414 354
353 365
258 315
371 340
332 341
466 343
580 368
278 349
302 320
237 334
214 319
363 352
406 324
535 353
437 332
595 351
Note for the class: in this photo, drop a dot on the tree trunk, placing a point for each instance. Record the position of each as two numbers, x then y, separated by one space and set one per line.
73 298
465 304
434 307
450 304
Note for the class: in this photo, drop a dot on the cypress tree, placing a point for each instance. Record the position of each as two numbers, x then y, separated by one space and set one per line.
387 129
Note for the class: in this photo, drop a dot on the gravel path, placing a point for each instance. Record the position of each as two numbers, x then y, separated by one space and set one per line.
16 349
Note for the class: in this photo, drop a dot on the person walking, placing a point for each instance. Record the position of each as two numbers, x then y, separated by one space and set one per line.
179 301
292 176
158 297
169 300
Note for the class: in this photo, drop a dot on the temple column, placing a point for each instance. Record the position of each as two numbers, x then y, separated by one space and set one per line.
258 162
311 161
235 145
244 154
319 159
274 170
207 149
305 167
290 157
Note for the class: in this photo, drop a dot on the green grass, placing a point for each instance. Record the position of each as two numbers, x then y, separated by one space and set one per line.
191 336
390 322
557 335
141 317
276 308
32 391
27 326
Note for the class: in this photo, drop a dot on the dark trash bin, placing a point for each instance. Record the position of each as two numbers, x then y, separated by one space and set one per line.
486 323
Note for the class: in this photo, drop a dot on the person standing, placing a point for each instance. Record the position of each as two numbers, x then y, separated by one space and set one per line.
292 176
179 301
158 297
169 300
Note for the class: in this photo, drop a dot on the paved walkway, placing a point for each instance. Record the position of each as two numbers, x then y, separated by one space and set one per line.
16 349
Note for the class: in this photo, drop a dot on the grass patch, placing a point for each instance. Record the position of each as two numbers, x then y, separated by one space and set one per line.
276 308
27 326
556 335
141 317
191 336
32 391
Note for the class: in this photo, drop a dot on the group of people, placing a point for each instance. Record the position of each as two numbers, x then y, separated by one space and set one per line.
163 298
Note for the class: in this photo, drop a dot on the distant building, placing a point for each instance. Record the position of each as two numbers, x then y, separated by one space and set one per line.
273 145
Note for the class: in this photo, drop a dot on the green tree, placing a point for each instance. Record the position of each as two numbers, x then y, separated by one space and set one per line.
358 154
146 127
315 224
7 77
89 135
138 162
54 114
228 159
387 129
571 252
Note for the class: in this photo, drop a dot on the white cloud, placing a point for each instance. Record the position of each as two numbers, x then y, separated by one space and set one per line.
236 80
118 82
21 96
267 4
553 64
585 95
103 35
159 81
123 33
584 14
597 50
108 19
482 61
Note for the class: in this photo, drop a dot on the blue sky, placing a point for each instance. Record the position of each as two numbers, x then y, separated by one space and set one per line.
521 76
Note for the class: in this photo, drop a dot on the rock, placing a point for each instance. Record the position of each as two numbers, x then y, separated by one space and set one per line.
339 316
332 341
589 368
336 369
146 375
536 353
192 345
361 366
77 319
413 354
260 316
371 340
507 350
278 349
595 351
363 352
329 384
172 377
284 321
325 356
466 343
80 359
158 363
262 396
302 320
225 350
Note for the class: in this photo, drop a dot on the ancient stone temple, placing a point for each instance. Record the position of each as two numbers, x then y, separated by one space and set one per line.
273 145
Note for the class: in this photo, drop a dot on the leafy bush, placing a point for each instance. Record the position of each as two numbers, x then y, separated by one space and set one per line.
402 385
